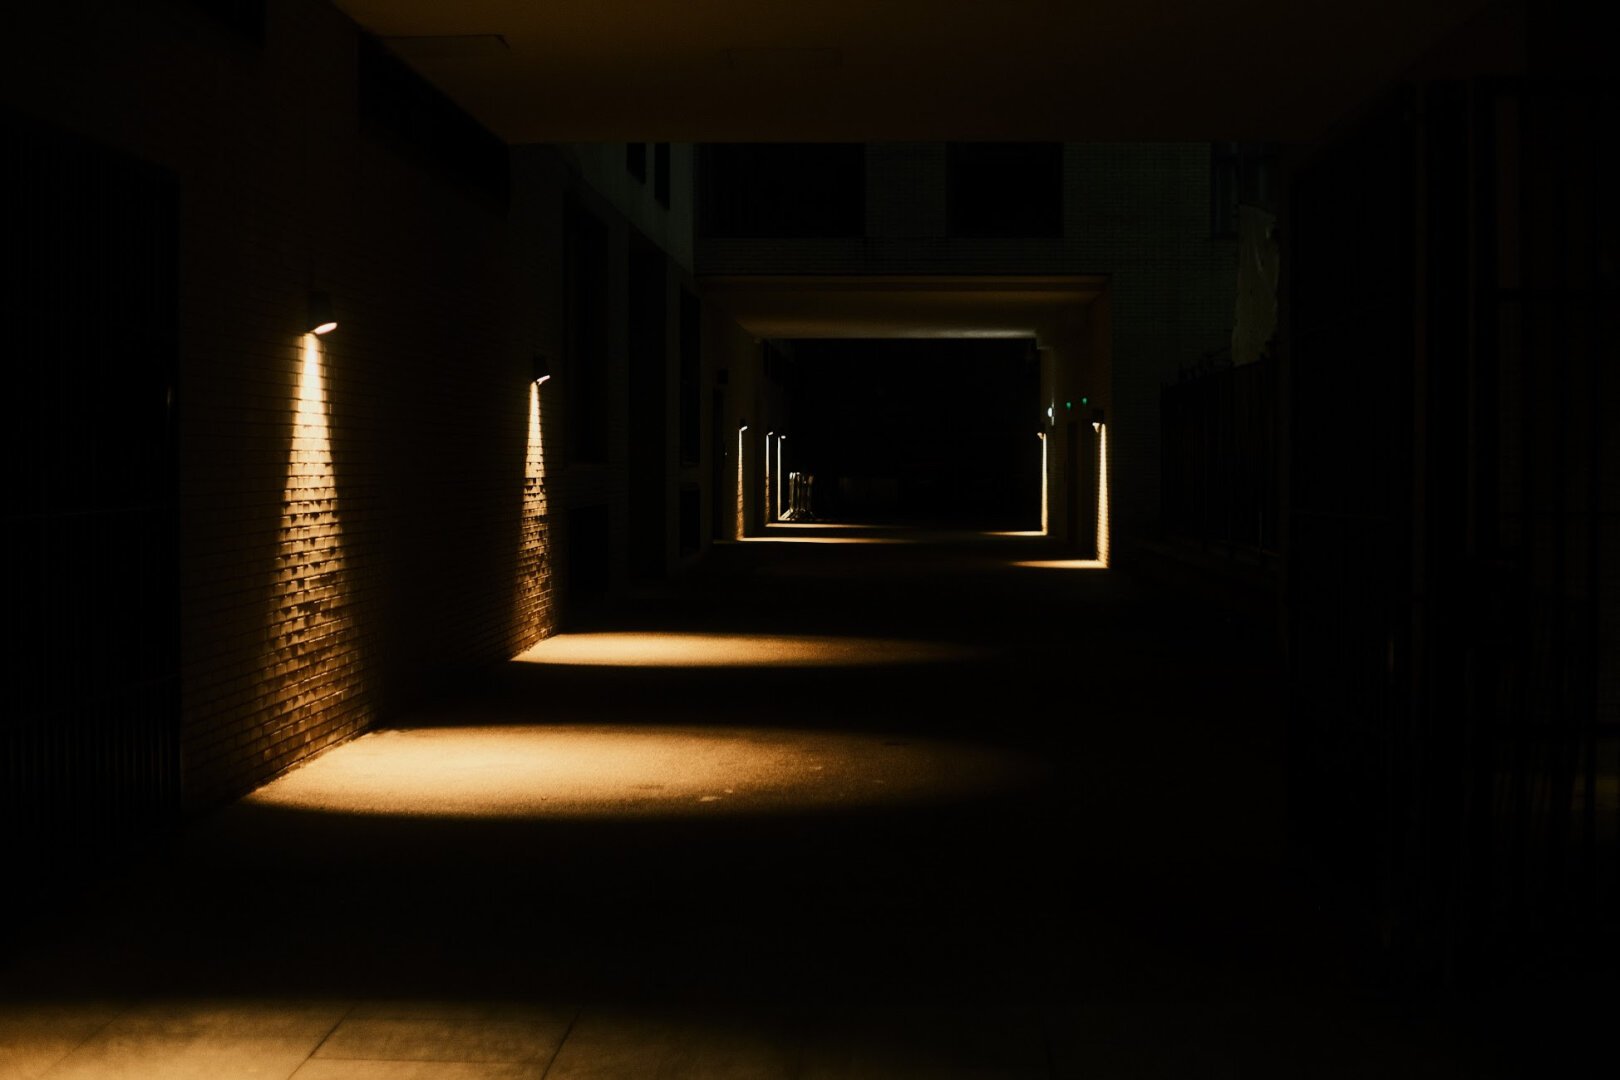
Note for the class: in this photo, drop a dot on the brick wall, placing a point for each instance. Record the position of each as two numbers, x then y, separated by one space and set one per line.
353 511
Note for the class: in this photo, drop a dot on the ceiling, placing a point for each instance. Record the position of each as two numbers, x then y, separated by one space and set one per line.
874 70
902 307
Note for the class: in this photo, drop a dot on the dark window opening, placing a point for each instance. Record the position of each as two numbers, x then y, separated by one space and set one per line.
1004 189
635 160
661 173
691 385
1240 174
590 559
783 189
1223 190
585 253
691 530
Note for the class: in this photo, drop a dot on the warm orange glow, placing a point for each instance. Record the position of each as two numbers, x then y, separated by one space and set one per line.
1044 519
1015 532
821 525
1102 494
309 624
742 502
534 564
828 540
589 771
779 474
1062 564
667 649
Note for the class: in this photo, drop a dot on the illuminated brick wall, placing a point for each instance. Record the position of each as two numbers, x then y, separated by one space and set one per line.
362 517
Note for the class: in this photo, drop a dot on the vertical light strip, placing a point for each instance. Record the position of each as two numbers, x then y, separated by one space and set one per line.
768 476
741 491
1102 493
312 669
534 564
1041 435
779 476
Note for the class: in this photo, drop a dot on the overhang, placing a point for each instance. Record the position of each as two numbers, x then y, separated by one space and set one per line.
859 71
880 306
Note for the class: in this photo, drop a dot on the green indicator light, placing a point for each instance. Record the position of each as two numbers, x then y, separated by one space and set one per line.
1068 404
1085 401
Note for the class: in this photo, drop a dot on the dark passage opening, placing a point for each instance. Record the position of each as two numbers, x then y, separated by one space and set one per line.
89 752
923 431
590 559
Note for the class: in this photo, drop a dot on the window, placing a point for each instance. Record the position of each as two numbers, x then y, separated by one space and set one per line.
691 379
1223 190
661 173
635 160
783 189
1239 174
585 254
1004 189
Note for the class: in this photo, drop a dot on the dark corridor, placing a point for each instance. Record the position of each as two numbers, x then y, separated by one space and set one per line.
812 817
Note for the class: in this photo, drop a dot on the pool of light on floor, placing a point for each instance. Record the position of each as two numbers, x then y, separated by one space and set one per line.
825 539
1062 564
668 650
609 771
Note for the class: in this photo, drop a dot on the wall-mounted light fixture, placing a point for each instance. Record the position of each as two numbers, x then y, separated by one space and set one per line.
542 368
319 319
1097 419
742 425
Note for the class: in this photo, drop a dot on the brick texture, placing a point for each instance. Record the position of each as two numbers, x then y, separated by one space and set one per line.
361 517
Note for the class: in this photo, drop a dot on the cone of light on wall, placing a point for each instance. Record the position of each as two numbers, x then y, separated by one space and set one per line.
542 369
320 319
742 425
1096 419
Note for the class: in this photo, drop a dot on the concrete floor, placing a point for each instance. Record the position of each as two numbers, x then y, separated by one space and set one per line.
1030 824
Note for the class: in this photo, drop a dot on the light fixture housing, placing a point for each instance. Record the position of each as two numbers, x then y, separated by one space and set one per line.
742 424
541 370
319 318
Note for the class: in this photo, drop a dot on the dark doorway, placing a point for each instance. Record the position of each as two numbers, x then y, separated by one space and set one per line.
924 431
89 751
590 560
691 527
722 487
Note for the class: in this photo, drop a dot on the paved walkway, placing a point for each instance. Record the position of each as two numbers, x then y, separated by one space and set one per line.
849 803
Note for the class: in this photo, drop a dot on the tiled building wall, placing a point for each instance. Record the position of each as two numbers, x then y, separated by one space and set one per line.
352 508
1137 212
